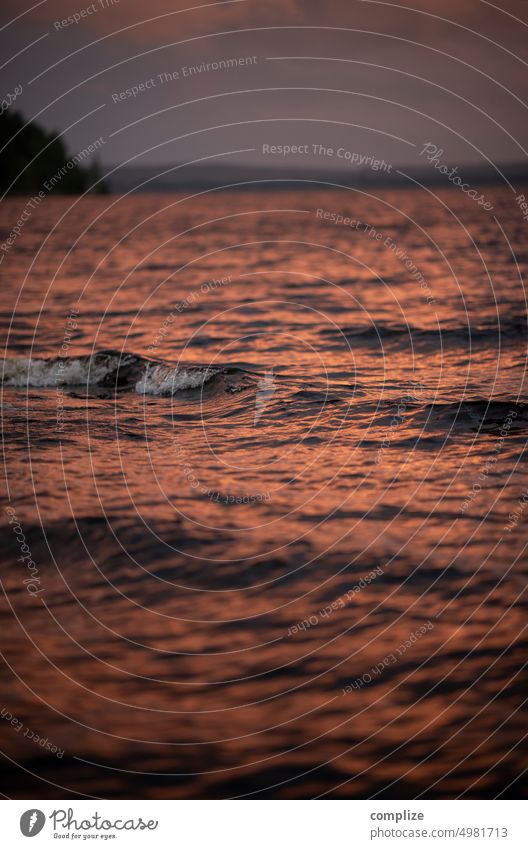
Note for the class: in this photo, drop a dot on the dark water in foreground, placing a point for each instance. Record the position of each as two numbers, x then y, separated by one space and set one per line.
273 545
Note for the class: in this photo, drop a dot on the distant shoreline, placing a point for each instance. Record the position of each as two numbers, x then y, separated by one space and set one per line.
170 178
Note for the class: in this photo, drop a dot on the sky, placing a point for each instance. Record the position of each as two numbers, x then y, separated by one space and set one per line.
377 79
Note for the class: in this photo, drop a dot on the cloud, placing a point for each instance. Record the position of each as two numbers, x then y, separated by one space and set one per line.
135 21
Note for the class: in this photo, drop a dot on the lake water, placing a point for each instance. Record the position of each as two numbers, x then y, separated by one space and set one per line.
269 468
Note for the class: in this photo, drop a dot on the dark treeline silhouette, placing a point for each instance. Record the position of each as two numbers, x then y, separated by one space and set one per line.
36 157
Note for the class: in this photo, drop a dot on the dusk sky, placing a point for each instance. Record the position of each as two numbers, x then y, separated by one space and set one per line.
378 78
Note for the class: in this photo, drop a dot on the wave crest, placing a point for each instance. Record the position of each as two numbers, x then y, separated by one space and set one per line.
105 369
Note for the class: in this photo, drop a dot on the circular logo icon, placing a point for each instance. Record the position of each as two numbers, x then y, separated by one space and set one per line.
32 822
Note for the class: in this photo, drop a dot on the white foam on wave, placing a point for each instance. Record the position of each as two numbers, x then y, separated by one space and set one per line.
164 380
100 369
24 371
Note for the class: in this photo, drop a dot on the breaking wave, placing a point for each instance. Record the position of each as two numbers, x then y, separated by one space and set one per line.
106 369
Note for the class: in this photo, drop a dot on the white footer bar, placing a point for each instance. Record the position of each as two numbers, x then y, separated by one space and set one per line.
265 824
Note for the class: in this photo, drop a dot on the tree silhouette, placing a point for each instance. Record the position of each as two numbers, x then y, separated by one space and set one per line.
35 156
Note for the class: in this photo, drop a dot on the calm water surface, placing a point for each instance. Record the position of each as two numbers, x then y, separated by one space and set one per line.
267 483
